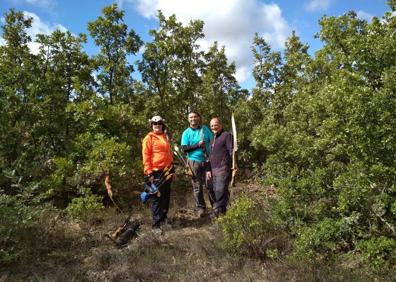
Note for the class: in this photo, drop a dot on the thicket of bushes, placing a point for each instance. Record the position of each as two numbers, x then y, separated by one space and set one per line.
321 128
329 139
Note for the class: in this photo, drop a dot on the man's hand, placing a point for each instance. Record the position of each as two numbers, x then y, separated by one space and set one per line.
234 171
202 144
208 175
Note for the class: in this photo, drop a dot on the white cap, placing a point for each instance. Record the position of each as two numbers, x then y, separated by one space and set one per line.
156 119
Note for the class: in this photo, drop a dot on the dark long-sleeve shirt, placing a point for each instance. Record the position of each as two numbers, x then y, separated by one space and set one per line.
221 153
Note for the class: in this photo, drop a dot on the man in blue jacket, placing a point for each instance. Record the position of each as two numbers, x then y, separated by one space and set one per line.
195 142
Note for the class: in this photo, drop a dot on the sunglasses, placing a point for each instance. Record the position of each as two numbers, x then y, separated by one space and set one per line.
157 123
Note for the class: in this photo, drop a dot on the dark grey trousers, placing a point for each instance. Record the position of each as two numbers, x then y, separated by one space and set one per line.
221 193
198 181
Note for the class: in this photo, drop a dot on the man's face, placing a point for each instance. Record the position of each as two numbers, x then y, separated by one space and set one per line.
215 125
194 120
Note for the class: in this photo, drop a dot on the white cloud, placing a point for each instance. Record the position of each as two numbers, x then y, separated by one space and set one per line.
39 3
43 3
364 15
119 3
243 73
316 5
40 27
231 23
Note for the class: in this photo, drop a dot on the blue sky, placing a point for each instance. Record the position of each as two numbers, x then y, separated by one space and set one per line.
230 22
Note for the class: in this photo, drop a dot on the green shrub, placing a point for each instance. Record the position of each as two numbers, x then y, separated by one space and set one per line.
380 252
330 149
85 207
108 156
17 229
247 230
321 240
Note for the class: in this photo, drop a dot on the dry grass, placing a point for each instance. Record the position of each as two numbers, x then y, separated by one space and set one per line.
189 250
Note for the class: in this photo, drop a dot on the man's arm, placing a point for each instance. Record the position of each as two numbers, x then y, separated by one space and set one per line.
147 155
189 148
185 143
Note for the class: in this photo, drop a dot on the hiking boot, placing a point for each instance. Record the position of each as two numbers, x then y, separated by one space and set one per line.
213 215
157 231
201 213
166 226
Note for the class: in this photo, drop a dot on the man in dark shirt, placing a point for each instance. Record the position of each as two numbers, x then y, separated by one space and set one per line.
220 165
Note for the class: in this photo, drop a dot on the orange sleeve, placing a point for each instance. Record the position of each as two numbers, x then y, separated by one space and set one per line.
170 155
147 153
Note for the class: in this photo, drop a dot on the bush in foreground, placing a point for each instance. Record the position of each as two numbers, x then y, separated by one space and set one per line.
247 229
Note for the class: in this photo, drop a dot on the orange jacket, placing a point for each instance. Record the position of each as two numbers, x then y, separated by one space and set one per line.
156 151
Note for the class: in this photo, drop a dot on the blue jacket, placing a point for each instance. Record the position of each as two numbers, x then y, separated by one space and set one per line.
191 138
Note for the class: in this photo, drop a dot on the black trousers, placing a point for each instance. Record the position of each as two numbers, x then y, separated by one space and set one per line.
160 205
220 189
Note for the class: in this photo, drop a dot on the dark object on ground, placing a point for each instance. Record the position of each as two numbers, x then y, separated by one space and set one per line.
124 233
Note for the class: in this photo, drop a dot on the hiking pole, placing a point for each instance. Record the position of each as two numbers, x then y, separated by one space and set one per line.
184 161
179 155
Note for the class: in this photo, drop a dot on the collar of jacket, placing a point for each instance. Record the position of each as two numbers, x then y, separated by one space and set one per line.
152 133
219 133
